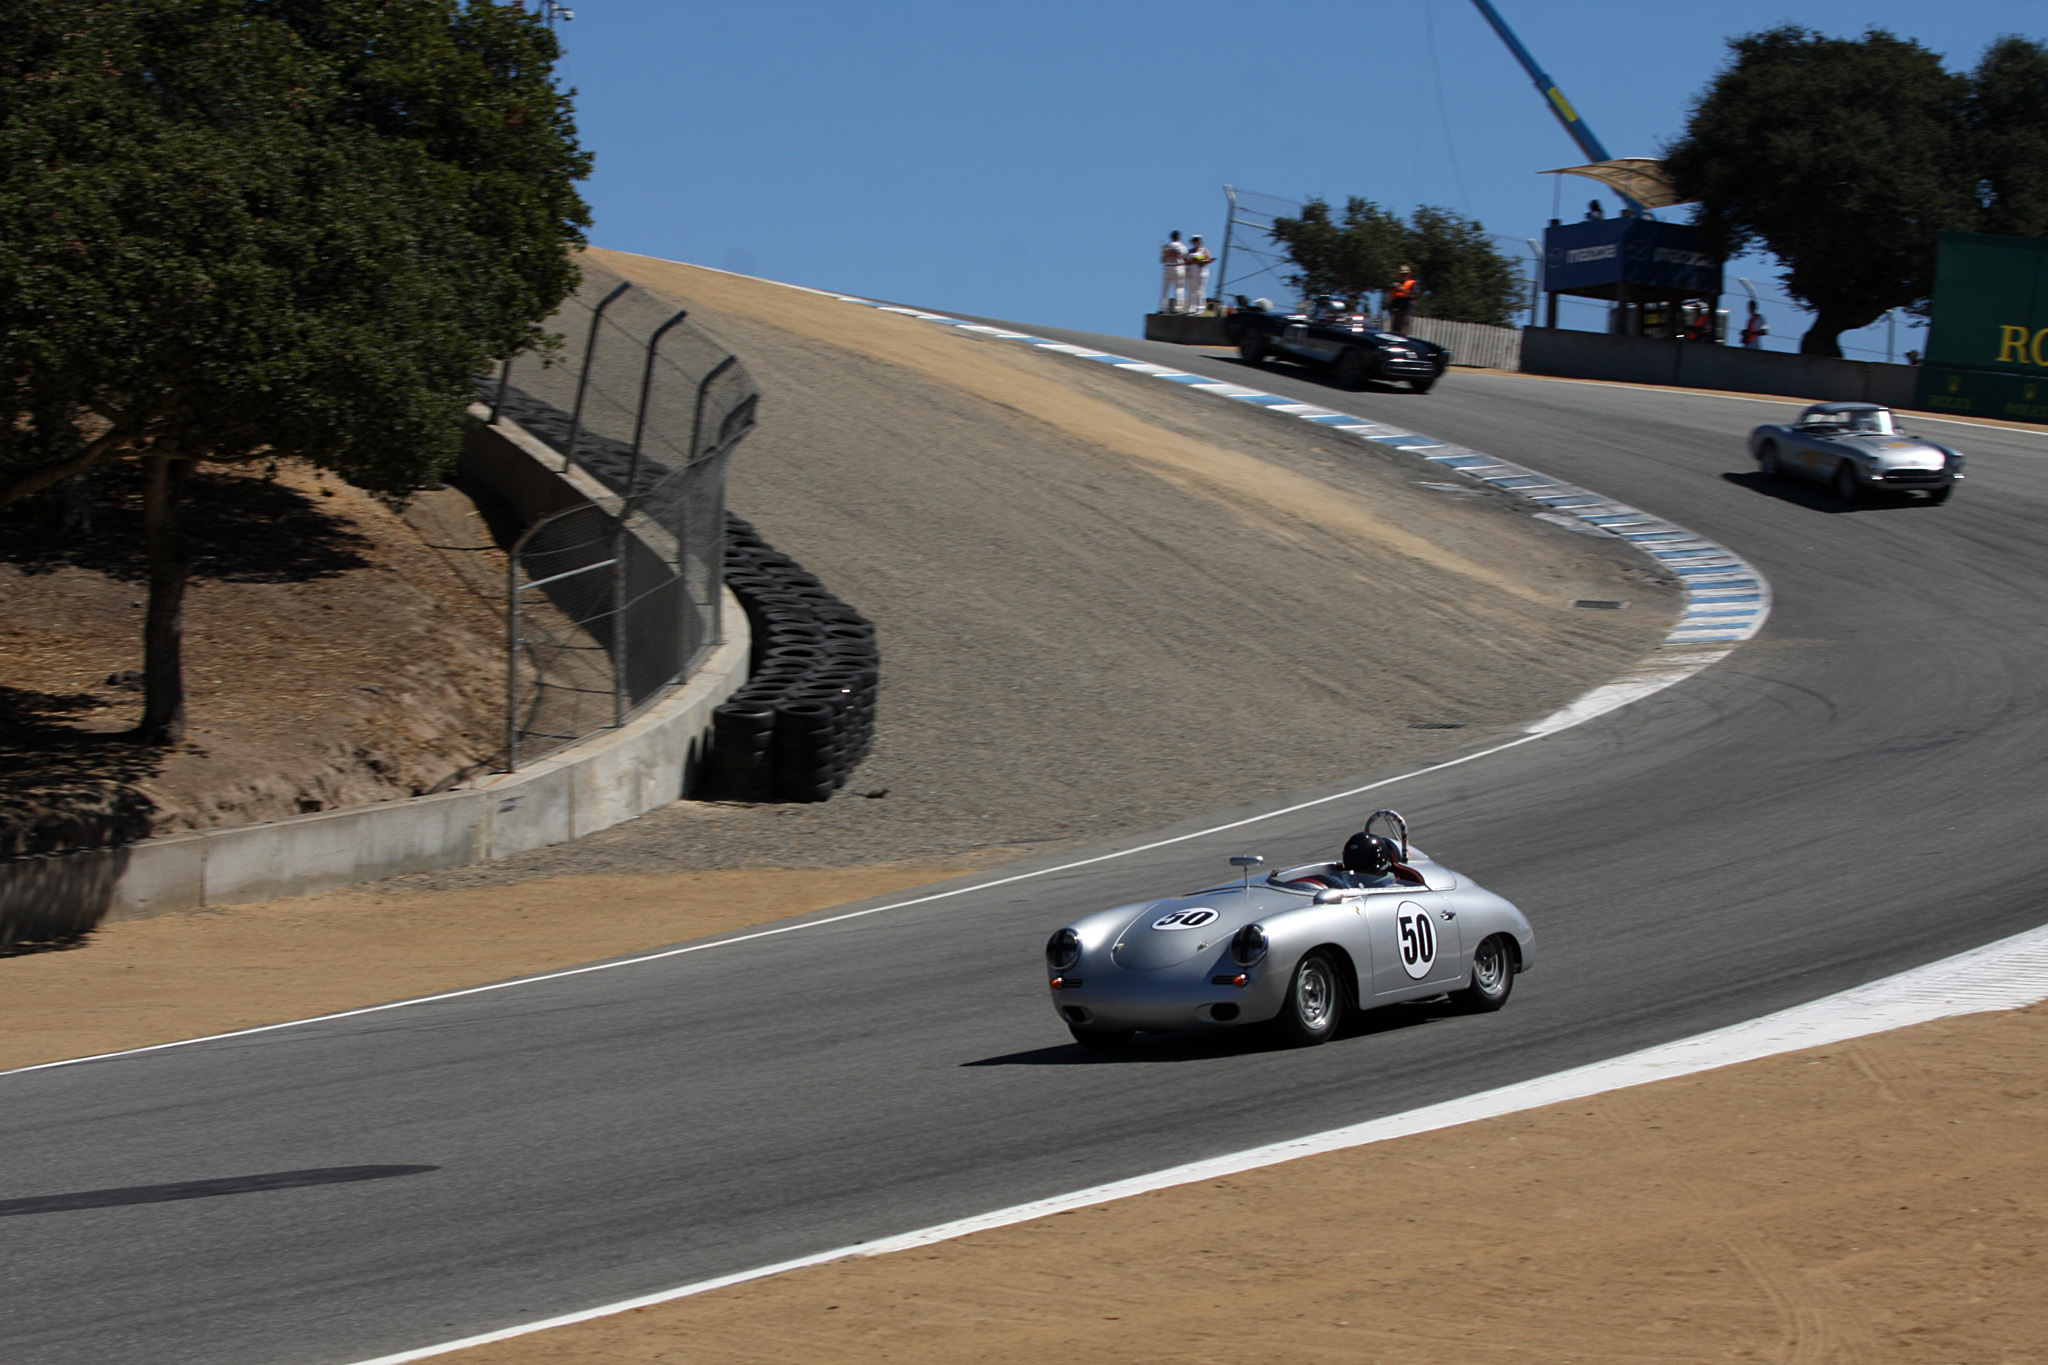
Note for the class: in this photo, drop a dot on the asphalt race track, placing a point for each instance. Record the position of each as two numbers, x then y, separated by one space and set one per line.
1853 793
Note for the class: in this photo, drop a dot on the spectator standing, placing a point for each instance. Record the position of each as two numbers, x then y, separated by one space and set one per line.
1594 213
1198 275
1753 329
1173 262
1401 300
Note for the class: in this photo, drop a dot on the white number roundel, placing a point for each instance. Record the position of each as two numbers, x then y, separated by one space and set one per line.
1185 919
1418 939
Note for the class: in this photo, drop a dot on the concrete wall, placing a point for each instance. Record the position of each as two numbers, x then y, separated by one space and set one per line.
605 780
1697 365
1189 329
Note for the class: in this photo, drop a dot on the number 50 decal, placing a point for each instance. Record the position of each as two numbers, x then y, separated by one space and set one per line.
1418 939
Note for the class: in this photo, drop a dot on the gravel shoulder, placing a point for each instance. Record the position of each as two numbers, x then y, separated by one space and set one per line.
1104 604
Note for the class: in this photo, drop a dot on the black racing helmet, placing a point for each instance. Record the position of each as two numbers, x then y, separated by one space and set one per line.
1368 855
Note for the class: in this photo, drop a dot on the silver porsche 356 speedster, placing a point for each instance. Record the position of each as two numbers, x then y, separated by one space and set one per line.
1294 950
1856 449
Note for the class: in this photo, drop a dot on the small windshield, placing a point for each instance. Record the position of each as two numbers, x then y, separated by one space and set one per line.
1855 419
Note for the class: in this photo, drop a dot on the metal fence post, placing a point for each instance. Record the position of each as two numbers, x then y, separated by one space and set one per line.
704 389
621 688
512 652
1229 222
583 376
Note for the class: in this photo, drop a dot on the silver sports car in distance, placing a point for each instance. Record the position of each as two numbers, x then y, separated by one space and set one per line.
1858 450
1293 950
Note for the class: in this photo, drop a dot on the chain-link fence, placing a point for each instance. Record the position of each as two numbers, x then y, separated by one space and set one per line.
611 602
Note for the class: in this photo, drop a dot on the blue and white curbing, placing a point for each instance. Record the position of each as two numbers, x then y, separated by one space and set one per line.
1727 600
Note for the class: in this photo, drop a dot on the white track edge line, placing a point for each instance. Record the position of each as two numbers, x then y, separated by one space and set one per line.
2006 974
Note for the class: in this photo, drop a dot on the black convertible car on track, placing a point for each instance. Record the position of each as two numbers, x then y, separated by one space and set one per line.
1329 336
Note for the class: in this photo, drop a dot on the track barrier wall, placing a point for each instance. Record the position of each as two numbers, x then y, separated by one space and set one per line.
1703 365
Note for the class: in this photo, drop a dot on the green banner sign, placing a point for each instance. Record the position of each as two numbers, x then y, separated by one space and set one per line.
1990 304
1982 393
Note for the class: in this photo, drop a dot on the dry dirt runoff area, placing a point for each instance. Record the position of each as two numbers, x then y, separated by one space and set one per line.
1884 1200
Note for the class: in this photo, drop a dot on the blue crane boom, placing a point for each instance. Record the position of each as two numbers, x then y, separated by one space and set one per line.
1554 97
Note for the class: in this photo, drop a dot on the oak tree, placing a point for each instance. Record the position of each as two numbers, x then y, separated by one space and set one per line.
1845 158
1463 277
234 230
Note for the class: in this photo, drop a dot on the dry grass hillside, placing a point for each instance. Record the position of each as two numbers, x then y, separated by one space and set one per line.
333 657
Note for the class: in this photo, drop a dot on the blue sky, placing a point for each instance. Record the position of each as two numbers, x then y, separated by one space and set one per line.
1022 160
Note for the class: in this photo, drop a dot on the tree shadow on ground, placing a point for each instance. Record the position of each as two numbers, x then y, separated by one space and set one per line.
238 528
62 787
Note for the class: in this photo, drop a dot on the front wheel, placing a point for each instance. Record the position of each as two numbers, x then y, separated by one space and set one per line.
1315 1002
1100 1039
1767 461
1848 490
1251 348
1493 977
1424 385
1940 495
1352 368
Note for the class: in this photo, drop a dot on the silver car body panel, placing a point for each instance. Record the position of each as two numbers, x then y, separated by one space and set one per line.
1819 445
1164 964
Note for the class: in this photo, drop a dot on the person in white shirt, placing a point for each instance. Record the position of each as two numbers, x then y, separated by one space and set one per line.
1173 260
1198 275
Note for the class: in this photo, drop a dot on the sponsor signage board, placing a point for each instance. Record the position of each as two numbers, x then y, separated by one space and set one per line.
1601 255
1982 393
1987 346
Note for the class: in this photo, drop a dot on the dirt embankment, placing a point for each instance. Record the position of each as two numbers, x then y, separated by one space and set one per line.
333 656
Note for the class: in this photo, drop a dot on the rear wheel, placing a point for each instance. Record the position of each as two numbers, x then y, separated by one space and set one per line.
1352 368
1315 1002
1493 977
1100 1039
1767 461
1251 348
1847 489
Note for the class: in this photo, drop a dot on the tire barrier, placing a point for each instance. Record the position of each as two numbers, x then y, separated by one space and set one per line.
806 717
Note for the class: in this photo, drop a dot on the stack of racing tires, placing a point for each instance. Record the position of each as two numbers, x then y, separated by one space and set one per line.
806 716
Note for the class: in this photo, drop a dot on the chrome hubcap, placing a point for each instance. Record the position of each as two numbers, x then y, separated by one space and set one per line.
1490 967
1314 994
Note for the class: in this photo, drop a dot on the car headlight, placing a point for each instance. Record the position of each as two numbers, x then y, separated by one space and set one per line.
1248 946
1063 950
